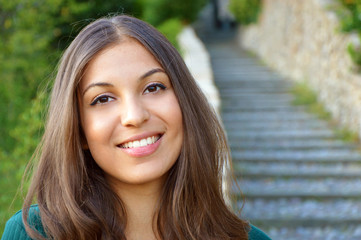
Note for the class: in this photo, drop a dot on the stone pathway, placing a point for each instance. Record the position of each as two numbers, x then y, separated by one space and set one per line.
298 180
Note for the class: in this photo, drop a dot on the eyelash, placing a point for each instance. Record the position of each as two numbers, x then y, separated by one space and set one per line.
158 87
97 100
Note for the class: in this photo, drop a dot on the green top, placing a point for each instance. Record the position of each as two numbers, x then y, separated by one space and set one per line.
15 230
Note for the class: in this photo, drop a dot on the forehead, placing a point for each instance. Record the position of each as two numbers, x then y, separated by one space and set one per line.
128 58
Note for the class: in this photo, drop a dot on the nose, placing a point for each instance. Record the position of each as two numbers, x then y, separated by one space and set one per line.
133 113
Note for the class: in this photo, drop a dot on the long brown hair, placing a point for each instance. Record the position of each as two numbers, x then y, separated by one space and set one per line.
75 200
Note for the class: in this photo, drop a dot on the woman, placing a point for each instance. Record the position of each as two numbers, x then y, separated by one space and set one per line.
131 149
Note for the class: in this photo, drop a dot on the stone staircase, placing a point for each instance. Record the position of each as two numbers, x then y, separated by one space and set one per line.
298 180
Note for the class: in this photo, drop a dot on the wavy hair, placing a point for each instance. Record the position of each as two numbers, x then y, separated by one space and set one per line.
74 198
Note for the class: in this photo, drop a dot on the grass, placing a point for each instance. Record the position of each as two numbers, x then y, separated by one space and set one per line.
346 135
304 96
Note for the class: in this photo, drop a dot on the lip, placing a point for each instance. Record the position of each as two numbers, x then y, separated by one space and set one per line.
143 151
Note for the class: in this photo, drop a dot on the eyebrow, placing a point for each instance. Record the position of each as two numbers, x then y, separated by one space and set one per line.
98 84
105 84
147 74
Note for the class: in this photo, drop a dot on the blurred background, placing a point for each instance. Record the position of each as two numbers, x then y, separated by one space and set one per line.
301 180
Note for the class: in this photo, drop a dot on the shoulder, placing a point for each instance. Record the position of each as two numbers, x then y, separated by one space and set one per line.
257 234
15 229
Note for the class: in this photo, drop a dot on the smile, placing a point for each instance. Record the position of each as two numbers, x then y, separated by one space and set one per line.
141 142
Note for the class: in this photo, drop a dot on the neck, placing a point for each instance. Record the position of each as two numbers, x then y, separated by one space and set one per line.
140 202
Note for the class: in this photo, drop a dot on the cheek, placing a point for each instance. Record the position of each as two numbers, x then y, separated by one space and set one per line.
175 123
172 113
176 117
98 126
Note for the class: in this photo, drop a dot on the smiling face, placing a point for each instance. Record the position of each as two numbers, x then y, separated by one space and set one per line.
130 115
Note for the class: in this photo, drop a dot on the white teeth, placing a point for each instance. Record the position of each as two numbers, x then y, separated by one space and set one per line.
140 143
136 144
143 142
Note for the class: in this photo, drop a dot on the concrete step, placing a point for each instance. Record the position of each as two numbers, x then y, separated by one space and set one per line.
237 91
274 188
234 60
319 156
280 134
278 125
343 231
236 77
251 94
246 97
297 170
237 80
260 98
257 107
304 210
278 84
241 66
269 116
291 144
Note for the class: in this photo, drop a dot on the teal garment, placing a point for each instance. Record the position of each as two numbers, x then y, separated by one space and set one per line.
257 234
15 230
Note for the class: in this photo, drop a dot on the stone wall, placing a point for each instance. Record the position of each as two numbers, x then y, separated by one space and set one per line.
301 40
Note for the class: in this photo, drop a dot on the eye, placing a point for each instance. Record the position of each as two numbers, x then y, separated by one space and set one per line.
102 100
154 87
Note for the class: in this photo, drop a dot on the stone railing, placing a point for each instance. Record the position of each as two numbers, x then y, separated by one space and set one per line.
300 39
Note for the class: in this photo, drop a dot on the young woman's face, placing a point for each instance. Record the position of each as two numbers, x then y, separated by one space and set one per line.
130 115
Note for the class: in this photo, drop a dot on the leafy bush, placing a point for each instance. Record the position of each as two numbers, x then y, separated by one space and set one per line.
245 11
27 135
171 28
349 15
349 12
157 11
355 54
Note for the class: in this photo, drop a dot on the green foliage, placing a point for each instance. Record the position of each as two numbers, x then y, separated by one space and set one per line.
73 15
157 11
24 61
355 54
171 28
349 15
12 166
245 11
349 12
30 128
346 135
304 96
9 183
